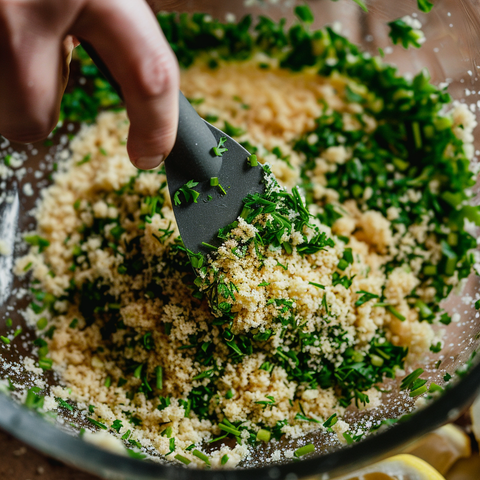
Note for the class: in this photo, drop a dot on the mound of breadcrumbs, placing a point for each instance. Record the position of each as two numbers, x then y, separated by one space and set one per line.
144 352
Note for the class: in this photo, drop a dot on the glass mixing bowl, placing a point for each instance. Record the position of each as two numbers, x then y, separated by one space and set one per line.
452 54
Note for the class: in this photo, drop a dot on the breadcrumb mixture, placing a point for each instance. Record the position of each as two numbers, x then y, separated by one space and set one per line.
126 315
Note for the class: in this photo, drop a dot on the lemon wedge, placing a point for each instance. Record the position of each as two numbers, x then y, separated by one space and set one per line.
400 467
442 447
475 415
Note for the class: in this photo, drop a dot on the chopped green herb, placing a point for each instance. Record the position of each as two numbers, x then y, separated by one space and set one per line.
45 363
117 425
402 33
182 459
36 240
64 404
159 377
33 399
252 161
331 421
85 159
189 193
42 323
304 13
201 456
263 435
424 5
219 150
305 450
97 424
366 296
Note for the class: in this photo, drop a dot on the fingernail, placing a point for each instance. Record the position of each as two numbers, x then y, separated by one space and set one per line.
148 163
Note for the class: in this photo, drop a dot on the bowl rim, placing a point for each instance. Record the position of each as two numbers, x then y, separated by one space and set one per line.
31 428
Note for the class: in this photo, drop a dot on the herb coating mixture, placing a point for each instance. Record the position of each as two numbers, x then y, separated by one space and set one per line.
327 284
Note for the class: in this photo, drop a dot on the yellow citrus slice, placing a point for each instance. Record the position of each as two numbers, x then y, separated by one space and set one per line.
442 447
400 467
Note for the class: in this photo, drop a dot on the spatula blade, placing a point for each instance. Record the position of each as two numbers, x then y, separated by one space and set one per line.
200 222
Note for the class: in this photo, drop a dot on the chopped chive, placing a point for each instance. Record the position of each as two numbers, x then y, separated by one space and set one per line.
209 246
138 371
331 421
224 460
42 323
409 380
229 394
229 429
64 404
45 363
5 340
85 159
205 374
18 331
376 360
214 181
133 454
362 5
396 313
342 264
435 388
417 136
37 241
108 382
97 424
159 376
182 459
418 391
33 399
201 456
305 450
252 160
263 435
318 285
8 323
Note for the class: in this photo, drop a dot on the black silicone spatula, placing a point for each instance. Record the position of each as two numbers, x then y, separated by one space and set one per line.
193 159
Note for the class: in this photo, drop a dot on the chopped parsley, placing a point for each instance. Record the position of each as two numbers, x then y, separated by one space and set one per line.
401 32
220 149
188 192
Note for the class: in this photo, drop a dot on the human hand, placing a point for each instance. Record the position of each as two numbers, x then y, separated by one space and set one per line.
37 38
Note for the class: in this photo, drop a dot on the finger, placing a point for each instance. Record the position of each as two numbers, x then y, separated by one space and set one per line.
30 84
68 46
127 36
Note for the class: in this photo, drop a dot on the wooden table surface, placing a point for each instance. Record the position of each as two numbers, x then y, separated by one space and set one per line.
20 462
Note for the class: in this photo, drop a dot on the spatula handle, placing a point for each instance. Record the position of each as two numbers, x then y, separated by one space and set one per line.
193 149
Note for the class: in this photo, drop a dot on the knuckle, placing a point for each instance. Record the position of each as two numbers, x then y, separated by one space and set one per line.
157 74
